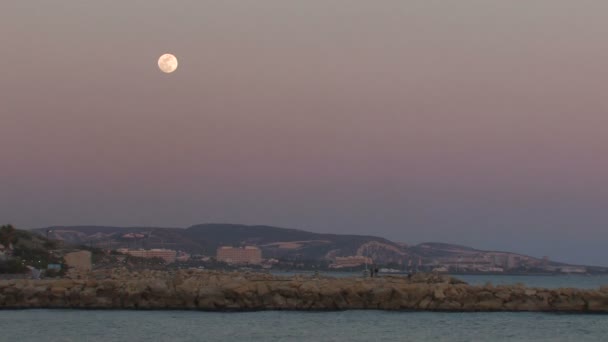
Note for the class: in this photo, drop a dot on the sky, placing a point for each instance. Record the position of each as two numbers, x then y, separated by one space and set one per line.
475 122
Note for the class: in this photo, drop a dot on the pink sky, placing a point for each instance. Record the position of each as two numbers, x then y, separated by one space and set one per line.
475 122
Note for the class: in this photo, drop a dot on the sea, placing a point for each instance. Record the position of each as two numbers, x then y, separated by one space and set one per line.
354 325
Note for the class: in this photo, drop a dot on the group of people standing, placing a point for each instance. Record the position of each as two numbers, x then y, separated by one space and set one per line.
372 272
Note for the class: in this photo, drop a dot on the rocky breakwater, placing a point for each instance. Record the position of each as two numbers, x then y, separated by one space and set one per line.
222 291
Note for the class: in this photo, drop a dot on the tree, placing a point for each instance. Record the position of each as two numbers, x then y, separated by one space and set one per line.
7 235
12 266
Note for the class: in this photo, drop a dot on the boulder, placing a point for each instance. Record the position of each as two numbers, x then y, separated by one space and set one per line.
214 290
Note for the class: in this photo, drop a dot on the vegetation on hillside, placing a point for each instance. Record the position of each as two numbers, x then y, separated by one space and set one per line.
28 249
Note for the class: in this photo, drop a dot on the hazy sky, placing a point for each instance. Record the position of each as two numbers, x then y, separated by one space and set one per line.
480 122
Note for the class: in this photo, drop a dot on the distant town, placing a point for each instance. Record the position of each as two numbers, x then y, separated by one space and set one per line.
251 256
59 249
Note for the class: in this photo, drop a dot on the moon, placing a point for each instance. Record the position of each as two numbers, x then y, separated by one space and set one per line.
167 63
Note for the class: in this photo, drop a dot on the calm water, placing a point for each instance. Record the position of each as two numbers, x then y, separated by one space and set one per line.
549 281
77 325
576 281
95 325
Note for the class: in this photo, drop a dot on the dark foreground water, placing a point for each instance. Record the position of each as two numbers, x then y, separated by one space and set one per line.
79 325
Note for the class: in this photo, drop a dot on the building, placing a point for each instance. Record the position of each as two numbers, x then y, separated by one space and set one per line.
239 255
351 261
513 261
440 269
573 269
500 260
80 260
182 256
168 255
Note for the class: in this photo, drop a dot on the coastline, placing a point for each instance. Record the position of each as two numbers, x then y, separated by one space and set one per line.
238 291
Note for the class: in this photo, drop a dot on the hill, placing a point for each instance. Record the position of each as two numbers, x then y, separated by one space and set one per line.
21 248
300 245
293 243
204 239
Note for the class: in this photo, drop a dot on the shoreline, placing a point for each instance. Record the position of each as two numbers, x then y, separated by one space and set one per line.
216 291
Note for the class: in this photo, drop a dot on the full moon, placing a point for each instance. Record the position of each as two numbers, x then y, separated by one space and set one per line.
167 63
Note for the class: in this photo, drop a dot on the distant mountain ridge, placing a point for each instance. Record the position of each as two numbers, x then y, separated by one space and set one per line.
206 238
283 243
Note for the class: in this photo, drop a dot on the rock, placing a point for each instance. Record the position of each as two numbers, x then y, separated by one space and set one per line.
494 304
87 297
211 298
213 290
277 302
261 289
158 287
30 291
597 301
438 293
424 303
503 294
58 291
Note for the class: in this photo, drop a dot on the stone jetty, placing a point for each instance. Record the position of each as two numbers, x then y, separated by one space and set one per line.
231 291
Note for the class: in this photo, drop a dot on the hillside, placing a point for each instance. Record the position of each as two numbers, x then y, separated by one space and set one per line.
21 248
206 238
300 245
292 243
